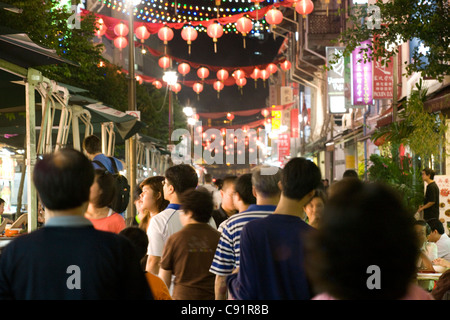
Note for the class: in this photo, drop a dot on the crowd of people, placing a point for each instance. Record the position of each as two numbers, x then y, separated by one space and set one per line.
278 234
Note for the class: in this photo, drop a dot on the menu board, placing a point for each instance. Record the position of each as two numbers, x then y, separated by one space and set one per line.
443 183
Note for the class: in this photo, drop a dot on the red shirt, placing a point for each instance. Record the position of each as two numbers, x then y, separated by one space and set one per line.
113 223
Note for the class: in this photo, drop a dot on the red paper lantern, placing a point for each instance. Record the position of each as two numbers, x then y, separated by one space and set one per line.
241 82
197 87
244 25
238 74
165 34
274 16
176 87
272 68
184 68
120 42
139 79
304 7
214 31
189 34
285 65
218 86
101 28
264 74
255 74
157 84
230 116
164 62
222 74
121 29
203 73
142 33
265 112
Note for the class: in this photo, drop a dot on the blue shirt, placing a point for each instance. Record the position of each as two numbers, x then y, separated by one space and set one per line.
226 258
107 163
272 260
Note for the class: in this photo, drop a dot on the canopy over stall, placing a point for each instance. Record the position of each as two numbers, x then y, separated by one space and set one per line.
18 56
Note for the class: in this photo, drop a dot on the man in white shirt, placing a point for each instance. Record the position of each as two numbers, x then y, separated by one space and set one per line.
441 239
178 179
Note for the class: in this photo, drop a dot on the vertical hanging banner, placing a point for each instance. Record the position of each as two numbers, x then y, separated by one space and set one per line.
284 146
362 74
383 79
336 82
295 130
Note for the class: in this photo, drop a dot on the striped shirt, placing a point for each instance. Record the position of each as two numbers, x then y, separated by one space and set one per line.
226 258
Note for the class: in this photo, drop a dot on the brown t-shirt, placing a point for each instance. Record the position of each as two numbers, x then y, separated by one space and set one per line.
189 254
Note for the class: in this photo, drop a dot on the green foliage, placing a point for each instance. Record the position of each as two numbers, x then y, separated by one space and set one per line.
401 175
404 19
422 131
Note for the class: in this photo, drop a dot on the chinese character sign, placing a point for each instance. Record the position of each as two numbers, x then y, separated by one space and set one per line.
284 146
362 91
383 79
335 79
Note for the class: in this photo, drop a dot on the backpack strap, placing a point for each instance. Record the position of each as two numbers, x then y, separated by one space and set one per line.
101 165
114 165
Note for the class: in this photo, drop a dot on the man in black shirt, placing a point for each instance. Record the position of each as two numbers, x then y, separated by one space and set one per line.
431 202
68 259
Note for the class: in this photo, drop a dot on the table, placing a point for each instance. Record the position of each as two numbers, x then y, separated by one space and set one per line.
428 275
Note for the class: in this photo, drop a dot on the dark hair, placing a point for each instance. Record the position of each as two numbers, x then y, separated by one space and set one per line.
338 255
319 193
350 173
435 224
208 177
423 223
299 177
138 238
155 183
2 201
199 202
92 144
63 179
219 183
105 182
182 177
243 187
227 181
429 172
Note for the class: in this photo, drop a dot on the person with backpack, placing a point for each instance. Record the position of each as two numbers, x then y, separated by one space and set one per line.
92 147
99 210
93 150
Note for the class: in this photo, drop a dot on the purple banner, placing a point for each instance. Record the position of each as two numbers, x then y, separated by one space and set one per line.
362 76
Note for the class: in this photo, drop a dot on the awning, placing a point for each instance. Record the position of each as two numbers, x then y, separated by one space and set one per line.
439 100
18 49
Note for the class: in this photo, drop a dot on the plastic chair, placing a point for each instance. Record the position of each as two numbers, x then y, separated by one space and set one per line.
3 225
19 221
